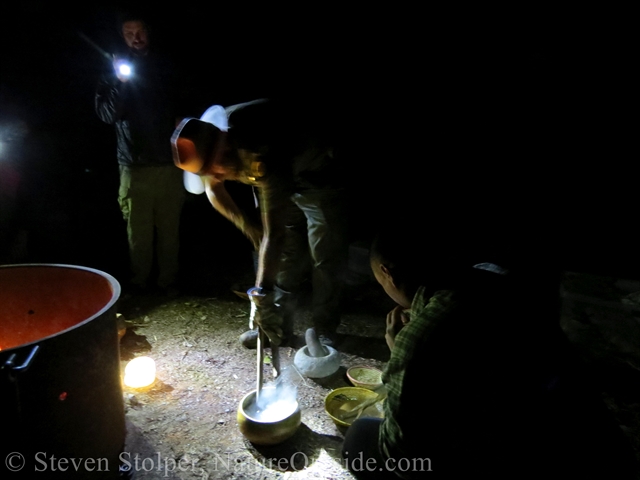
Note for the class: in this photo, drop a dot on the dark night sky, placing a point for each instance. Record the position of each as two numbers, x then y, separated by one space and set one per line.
504 121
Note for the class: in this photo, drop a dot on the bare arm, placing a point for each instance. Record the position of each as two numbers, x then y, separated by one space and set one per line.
273 202
223 203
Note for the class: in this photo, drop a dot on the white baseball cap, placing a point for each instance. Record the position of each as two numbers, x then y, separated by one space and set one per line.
215 115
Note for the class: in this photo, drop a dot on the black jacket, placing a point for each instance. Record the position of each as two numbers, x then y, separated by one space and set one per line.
142 110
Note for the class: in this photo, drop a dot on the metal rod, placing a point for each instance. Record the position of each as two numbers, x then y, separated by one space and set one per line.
260 348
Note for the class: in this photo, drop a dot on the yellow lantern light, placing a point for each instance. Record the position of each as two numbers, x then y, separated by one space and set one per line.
140 372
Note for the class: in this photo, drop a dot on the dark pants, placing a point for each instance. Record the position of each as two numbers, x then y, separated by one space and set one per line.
315 248
361 452
590 448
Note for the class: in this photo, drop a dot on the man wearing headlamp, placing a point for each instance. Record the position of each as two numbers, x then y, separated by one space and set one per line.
289 157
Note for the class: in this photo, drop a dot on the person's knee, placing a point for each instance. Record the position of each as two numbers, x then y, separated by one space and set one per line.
362 437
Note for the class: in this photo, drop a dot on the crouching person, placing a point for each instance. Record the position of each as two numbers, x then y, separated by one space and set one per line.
477 382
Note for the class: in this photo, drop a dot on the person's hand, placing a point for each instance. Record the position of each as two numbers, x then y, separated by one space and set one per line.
396 319
123 68
265 314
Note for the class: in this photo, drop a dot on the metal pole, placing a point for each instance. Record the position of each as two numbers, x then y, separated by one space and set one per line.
260 348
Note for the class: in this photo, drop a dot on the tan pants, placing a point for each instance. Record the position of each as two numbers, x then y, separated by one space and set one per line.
151 200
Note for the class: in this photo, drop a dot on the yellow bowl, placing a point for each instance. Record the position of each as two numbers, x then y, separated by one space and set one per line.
365 377
341 400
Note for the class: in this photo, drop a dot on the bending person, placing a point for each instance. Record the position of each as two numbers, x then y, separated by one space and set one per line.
291 161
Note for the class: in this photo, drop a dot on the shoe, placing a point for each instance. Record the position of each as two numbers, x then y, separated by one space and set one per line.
249 339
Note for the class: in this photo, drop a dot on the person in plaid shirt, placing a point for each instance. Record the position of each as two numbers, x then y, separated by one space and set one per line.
476 382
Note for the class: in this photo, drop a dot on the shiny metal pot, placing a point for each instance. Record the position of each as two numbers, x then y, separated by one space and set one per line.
265 432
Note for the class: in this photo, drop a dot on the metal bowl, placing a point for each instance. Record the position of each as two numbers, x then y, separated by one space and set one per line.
261 432
342 400
365 377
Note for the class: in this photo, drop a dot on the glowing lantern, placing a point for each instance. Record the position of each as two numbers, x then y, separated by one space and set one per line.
140 372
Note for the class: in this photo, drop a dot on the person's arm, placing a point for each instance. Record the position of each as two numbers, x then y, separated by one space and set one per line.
396 319
223 202
264 311
407 363
272 201
108 100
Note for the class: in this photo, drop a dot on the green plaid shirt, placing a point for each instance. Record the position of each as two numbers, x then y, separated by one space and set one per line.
425 315
447 370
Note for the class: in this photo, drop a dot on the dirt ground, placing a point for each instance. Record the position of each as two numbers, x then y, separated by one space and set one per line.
185 427
189 415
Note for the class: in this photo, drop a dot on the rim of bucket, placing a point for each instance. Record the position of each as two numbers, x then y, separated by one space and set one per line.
110 278
245 399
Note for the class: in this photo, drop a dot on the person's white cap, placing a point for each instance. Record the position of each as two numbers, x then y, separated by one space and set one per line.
193 142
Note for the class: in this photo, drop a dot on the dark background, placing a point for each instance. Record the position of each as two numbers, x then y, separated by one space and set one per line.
508 131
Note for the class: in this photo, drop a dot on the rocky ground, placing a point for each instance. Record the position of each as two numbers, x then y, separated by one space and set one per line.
185 427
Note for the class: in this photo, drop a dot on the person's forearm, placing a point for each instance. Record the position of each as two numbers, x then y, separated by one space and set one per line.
272 210
270 250
223 203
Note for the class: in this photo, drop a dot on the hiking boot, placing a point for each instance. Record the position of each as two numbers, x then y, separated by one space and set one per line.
249 339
